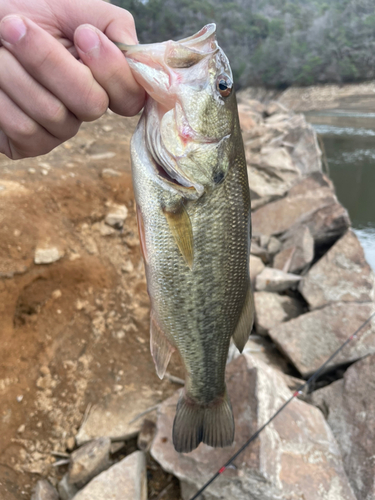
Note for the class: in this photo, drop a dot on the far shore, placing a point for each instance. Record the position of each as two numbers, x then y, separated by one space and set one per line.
358 97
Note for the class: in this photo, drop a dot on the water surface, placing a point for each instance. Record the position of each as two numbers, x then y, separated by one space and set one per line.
349 142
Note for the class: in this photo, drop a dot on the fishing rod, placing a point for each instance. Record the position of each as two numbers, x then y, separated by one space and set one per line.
298 392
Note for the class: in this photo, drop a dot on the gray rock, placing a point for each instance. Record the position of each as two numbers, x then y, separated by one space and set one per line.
313 182
326 224
350 406
44 491
342 274
125 480
256 267
47 255
295 457
112 415
278 216
272 309
271 174
274 280
310 339
88 461
297 251
312 203
117 216
66 490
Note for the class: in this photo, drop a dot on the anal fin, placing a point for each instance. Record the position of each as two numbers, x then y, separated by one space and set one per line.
161 348
245 323
180 226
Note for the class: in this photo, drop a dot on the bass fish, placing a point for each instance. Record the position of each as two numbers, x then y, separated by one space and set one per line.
193 209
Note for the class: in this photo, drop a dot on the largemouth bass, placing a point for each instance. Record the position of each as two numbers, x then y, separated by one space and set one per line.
193 208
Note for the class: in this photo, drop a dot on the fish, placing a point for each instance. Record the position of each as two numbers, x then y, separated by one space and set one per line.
193 210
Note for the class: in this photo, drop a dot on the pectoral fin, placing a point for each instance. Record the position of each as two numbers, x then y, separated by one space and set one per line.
161 348
180 226
245 323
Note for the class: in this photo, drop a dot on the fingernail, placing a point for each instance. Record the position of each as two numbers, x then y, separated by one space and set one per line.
87 40
12 29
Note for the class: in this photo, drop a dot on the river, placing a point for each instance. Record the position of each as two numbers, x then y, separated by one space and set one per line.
349 142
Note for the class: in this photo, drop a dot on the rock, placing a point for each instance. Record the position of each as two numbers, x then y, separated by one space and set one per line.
259 252
326 224
247 122
297 250
256 267
146 435
47 255
110 172
272 309
342 274
310 339
313 182
350 406
306 153
271 173
274 280
278 216
104 229
117 216
44 491
125 480
295 457
274 107
88 461
66 490
112 415
317 208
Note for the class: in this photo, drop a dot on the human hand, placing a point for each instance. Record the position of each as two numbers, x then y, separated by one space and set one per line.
45 91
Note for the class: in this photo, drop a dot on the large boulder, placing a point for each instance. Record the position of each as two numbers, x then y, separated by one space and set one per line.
294 458
342 274
310 339
125 480
114 415
272 309
349 404
310 203
297 251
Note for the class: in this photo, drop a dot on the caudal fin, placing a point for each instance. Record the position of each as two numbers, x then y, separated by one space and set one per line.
212 424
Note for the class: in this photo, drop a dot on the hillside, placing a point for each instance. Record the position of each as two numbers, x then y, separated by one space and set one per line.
273 43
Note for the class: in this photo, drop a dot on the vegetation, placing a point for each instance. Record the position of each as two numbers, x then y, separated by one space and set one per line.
273 43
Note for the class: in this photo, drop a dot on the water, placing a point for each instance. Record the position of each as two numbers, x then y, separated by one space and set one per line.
349 141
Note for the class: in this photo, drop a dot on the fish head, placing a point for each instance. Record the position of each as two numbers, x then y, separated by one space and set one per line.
191 111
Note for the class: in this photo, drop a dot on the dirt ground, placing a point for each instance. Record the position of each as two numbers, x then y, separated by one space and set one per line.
76 330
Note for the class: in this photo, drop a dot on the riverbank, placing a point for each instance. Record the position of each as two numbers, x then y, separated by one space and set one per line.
358 96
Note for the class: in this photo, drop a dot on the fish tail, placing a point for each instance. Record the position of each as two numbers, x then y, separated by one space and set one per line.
212 424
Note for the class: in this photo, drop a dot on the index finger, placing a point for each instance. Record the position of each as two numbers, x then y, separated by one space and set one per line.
44 58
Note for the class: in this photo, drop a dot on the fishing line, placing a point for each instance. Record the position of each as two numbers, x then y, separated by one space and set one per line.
298 392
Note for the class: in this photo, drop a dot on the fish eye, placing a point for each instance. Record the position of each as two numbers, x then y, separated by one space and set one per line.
224 85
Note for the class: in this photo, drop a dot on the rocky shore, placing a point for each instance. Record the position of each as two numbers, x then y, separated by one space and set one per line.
312 288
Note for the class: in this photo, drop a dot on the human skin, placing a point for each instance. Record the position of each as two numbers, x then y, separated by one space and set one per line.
58 68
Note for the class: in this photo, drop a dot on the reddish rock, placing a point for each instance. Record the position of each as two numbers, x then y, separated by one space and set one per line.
256 267
294 458
310 339
297 251
342 274
272 309
274 280
350 406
